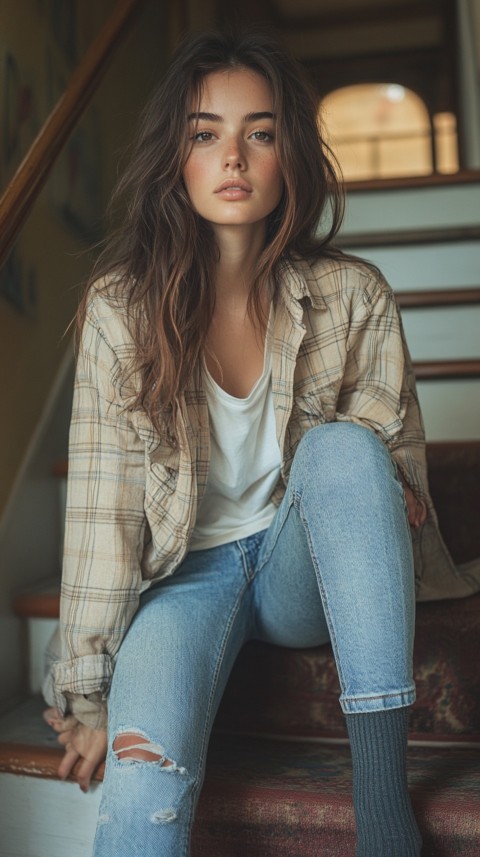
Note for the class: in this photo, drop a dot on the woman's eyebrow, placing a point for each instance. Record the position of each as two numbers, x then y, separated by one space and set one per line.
214 117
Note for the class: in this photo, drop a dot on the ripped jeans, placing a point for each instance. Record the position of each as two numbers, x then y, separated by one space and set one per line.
335 564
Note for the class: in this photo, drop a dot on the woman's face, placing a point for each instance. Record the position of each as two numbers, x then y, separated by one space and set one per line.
232 173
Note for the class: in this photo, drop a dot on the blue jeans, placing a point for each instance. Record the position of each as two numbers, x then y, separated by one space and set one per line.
335 564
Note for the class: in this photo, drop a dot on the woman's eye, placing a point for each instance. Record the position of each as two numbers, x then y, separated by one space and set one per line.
262 136
202 137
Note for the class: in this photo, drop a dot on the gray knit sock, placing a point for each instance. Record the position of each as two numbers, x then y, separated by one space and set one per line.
386 826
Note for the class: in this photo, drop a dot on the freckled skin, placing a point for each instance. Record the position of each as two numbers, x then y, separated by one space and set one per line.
233 147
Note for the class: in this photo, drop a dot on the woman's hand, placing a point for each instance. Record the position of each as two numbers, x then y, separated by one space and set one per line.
80 742
417 510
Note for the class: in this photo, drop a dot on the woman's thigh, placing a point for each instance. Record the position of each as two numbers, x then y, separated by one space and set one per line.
288 606
177 654
337 561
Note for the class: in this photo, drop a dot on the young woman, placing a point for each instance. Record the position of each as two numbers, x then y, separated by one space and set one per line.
246 457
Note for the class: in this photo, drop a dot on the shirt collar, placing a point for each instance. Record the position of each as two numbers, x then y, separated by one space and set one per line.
301 282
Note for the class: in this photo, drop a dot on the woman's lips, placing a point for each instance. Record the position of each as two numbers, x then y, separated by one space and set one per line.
234 189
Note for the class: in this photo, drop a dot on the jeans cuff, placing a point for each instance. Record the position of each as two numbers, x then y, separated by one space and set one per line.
378 702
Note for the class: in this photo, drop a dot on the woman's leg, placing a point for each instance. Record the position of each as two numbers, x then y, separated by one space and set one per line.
170 674
342 527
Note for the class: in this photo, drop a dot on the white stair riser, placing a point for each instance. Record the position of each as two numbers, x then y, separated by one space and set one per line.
39 633
413 208
46 818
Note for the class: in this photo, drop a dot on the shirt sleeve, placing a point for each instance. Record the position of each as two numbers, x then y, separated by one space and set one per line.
104 534
378 388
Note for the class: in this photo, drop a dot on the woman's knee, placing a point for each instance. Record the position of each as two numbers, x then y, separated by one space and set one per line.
341 451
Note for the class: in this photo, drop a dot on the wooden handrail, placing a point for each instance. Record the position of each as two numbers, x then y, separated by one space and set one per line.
38 605
411 182
443 370
22 191
402 237
438 298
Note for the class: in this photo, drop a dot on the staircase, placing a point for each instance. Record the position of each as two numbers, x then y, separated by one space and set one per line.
424 235
278 773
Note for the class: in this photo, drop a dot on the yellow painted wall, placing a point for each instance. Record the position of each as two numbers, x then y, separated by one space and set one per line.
32 345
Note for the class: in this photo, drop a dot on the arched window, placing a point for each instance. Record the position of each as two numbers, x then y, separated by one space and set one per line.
385 130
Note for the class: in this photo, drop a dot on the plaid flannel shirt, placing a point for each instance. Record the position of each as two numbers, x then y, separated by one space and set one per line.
338 354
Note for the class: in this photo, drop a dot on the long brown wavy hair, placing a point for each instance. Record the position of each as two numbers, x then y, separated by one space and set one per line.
161 259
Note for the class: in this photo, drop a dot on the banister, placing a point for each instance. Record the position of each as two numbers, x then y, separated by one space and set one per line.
411 182
402 237
26 184
444 370
435 298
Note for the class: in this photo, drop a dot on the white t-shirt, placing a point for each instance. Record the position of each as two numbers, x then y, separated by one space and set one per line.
244 465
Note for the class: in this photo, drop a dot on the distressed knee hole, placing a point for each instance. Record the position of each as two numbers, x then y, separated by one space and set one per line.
163 816
135 747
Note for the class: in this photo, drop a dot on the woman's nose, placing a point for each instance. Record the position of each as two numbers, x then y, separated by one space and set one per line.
234 158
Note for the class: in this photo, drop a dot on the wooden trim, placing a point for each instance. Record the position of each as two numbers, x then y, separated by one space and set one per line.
441 370
60 468
32 761
21 193
364 14
37 605
402 237
411 182
445 447
438 298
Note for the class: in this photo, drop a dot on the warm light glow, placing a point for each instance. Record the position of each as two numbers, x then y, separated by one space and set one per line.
446 145
384 130
395 92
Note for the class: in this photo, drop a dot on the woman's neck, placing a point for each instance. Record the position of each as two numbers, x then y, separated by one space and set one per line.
239 250
234 350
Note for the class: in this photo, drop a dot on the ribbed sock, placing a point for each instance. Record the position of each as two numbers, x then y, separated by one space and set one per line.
386 826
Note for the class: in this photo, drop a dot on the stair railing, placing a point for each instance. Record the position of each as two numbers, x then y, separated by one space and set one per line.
22 191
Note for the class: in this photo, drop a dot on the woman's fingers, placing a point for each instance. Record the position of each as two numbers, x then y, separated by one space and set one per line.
85 772
422 515
84 744
65 738
417 510
81 743
51 713
57 721
68 762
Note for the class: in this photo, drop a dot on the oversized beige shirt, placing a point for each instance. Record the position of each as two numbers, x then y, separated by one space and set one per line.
338 354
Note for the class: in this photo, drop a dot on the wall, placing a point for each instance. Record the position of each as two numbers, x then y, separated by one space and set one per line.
32 344
469 78
35 352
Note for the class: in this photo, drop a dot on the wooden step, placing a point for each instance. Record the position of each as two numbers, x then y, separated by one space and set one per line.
441 370
432 298
40 602
262 797
469 177
408 237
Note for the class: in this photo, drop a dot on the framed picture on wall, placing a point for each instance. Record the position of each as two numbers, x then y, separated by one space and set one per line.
75 181
18 113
